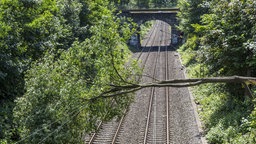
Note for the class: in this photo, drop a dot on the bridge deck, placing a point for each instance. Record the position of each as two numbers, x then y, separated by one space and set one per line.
170 10
152 12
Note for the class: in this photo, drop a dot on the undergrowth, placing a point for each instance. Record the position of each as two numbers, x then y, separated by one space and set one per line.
227 117
145 27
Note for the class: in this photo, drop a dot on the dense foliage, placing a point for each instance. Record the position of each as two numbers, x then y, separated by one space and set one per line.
56 55
220 41
134 4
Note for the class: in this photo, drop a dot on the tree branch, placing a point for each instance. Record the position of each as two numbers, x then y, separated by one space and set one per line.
248 91
125 89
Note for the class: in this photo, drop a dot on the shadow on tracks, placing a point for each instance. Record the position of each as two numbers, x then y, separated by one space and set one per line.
153 49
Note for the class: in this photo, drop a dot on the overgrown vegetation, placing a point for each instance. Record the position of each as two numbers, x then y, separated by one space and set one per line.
56 55
142 4
220 41
145 27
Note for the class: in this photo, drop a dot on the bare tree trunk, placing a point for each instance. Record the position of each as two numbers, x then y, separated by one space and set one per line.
117 90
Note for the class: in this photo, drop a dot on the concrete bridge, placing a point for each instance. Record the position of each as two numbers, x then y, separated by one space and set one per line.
140 16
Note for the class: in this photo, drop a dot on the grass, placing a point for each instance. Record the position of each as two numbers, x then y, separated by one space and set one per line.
227 116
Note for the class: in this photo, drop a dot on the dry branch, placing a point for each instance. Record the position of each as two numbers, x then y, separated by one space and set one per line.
124 89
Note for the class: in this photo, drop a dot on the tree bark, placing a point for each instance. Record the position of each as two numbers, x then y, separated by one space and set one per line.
124 89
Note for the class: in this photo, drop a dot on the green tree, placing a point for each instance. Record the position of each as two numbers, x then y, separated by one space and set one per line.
190 13
227 38
32 32
27 29
143 3
221 42
58 106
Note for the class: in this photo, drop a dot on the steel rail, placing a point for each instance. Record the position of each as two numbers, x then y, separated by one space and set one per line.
151 99
148 40
117 130
94 134
152 94
143 66
122 118
167 91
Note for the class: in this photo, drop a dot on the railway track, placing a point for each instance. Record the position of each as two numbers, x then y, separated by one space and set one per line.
156 130
158 115
108 132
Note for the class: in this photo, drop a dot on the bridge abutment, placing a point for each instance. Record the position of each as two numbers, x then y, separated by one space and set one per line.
167 15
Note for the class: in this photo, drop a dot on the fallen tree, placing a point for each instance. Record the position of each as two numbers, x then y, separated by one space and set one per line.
116 90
